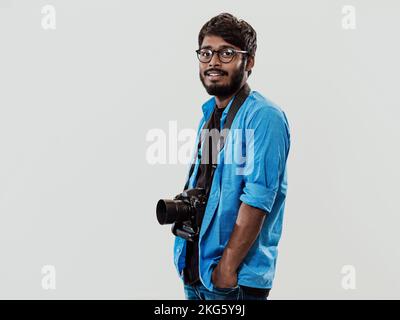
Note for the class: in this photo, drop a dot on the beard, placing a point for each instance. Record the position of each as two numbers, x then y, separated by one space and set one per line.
225 90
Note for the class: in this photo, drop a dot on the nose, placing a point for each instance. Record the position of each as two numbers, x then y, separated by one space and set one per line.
214 60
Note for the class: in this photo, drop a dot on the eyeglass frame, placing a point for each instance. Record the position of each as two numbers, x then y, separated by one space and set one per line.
218 51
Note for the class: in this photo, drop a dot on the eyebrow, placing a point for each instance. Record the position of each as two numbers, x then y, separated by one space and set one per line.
220 47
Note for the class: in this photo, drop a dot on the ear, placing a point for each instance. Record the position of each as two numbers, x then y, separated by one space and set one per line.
250 62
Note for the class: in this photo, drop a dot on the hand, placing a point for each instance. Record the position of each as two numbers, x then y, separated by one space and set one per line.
223 278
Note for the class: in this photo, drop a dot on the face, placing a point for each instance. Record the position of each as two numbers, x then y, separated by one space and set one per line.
222 79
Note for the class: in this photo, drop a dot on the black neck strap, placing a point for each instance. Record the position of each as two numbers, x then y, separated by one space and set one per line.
237 102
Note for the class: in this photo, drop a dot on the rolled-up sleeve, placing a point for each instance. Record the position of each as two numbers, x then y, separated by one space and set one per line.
267 148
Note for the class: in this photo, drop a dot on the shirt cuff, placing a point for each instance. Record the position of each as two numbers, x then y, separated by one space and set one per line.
258 196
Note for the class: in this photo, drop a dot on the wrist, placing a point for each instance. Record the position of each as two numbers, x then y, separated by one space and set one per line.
226 266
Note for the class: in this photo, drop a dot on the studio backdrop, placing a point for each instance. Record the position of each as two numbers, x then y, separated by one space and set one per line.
99 101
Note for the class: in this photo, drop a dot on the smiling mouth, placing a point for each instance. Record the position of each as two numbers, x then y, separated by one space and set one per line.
214 75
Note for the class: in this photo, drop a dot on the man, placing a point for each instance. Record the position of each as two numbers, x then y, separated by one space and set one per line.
235 254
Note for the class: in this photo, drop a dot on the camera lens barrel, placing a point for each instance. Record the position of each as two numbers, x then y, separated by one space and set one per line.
170 211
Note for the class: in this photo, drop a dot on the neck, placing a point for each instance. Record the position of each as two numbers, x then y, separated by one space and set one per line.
222 102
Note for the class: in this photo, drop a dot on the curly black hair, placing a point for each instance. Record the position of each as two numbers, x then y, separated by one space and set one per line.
233 30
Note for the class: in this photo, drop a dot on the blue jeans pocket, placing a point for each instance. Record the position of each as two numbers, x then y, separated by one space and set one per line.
226 293
225 290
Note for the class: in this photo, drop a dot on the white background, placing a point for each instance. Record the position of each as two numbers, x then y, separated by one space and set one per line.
77 102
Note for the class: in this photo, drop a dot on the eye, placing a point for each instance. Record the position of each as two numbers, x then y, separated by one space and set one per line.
227 53
205 53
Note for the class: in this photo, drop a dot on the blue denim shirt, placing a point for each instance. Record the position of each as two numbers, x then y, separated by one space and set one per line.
258 178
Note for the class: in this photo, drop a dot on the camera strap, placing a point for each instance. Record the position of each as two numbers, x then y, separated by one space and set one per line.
237 102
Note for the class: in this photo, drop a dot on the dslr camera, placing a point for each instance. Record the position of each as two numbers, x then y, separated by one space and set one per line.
185 212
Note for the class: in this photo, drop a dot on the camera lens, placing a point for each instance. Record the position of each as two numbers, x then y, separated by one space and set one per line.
169 211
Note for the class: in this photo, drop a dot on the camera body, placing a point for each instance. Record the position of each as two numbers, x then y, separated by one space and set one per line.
185 212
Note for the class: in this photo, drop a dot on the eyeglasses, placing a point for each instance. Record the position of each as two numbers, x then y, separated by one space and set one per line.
225 55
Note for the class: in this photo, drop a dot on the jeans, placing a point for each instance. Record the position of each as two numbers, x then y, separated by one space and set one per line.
200 292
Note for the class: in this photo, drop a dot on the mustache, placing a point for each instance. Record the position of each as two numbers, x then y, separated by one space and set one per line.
217 70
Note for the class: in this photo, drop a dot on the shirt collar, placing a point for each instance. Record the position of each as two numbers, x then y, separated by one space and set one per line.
209 106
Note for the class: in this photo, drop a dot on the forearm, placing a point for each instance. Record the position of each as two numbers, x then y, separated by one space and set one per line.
247 227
